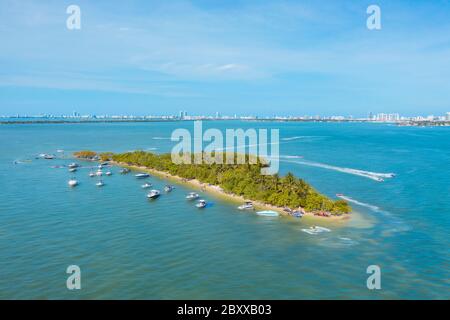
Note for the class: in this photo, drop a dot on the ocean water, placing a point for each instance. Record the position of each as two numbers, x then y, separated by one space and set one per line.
129 247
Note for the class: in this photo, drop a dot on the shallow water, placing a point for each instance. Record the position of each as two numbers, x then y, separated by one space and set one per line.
130 247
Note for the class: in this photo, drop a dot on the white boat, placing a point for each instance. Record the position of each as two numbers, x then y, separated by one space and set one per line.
168 188
108 173
100 166
268 213
72 169
146 185
49 157
192 196
100 184
316 230
73 165
248 205
124 171
154 194
73 182
201 204
91 174
99 173
142 175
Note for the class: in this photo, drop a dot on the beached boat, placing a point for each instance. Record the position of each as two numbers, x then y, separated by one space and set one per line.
154 194
142 175
168 188
73 182
268 213
316 230
100 183
124 171
192 196
146 185
248 205
297 214
201 204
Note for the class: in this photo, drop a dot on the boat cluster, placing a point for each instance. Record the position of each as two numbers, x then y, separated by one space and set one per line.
73 167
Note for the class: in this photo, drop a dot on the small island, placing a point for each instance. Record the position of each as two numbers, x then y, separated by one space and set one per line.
240 181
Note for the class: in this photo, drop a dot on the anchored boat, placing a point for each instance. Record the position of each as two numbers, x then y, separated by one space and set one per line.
142 175
192 196
248 205
73 182
154 194
201 204
146 185
168 188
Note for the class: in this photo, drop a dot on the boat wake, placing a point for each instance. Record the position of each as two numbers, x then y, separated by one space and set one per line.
362 204
377 176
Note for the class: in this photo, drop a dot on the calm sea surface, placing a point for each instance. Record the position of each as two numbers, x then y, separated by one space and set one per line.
128 247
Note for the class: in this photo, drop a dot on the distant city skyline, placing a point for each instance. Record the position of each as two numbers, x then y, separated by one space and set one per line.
250 57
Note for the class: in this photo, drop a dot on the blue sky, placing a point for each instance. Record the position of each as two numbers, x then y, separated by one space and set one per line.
246 57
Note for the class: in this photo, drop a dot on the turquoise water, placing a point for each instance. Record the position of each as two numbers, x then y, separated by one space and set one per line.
128 247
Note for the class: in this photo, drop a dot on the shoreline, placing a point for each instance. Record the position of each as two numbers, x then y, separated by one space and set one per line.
219 192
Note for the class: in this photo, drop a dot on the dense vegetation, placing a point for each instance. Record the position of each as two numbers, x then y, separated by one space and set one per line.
243 179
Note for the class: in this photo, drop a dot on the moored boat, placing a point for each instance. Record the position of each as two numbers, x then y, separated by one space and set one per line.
201 204
124 171
73 182
72 169
268 213
99 173
142 175
146 185
248 205
100 183
154 194
192 196
73 165
168 188
108 173
91 174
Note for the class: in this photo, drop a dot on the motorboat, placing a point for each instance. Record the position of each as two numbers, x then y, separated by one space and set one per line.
91 174
104 164
201 204
146 185
124 171
339 195
73 165
100 183
108 173
268 213
99 173
316 230
142 175
72 169
73 182
168 188
100 166
192 196
49 157
248 205
297 214
154 194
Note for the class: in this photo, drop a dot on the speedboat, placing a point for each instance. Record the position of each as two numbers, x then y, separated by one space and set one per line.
268 213
168 188
49 157
248 205
339 195
100 184
316 230
99 173
154 194
192 196
73 182
73 165
201 204
146 185
108 173
91 174
72 169
124 171
142 175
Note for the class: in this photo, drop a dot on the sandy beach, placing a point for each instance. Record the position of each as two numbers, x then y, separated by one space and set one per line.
219 192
